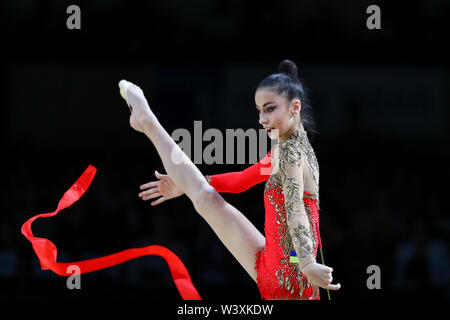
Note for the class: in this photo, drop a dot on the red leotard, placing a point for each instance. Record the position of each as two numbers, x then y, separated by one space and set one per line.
277 277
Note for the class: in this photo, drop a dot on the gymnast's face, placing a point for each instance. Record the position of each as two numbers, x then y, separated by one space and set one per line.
276 112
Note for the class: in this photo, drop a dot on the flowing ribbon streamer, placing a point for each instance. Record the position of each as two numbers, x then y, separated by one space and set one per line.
46 250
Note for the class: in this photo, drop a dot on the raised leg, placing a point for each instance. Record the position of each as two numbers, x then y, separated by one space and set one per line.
235 231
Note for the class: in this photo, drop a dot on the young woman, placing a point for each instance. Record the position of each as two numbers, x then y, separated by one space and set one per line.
291 192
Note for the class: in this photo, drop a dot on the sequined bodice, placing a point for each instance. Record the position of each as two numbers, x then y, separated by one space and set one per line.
279 242
311 165
291 201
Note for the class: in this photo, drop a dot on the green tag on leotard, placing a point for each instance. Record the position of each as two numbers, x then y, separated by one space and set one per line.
293 257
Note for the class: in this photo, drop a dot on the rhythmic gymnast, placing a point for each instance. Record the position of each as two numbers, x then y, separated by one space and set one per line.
283 263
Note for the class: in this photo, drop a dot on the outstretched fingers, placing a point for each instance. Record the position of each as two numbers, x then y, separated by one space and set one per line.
150 193
158 175
148 185
158 201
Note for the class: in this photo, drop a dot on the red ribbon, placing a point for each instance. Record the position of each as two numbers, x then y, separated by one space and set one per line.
46 250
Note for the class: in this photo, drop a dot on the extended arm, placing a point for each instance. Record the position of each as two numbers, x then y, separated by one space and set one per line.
233 182
240 181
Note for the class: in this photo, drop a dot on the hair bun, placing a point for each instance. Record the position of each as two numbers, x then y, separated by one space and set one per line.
289 68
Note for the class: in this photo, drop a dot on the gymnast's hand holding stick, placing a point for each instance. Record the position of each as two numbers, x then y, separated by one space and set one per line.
240 237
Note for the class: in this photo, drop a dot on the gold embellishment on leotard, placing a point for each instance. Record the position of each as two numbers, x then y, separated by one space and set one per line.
311 224
292 201
290 153
302 140
280 218
289 272
302 236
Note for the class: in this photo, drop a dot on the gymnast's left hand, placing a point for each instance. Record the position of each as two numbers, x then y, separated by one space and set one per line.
141 114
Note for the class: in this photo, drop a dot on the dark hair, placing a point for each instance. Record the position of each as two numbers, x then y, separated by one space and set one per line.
287 83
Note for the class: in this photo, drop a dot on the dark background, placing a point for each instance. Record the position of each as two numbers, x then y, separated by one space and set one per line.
380 100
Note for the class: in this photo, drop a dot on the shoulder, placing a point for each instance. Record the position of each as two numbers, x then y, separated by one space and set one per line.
290 153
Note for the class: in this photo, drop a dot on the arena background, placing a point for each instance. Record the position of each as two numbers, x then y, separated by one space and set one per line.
380 100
